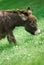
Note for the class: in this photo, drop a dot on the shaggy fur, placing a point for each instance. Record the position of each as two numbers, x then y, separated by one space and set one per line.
10 19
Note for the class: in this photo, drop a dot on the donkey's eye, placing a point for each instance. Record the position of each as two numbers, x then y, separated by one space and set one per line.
32 24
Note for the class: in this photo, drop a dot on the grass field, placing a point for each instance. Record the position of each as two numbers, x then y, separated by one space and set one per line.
29 49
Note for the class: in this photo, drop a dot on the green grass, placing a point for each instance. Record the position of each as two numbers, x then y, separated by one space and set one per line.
29 49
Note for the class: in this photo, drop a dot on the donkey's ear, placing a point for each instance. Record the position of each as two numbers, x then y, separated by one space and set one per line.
29 11
22 12
28 8
25 13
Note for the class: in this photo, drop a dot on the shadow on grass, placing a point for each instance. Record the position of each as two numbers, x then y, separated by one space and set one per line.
6 47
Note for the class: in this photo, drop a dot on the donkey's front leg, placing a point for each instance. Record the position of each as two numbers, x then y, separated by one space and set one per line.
11 37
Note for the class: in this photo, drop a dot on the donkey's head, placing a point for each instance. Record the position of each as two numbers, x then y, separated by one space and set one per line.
31 22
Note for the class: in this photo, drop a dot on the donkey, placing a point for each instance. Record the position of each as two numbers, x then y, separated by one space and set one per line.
10 19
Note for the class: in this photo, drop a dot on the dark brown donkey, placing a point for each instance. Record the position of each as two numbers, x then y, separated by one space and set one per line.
10 19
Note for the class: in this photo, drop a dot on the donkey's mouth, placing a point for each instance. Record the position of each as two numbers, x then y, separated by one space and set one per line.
37 31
